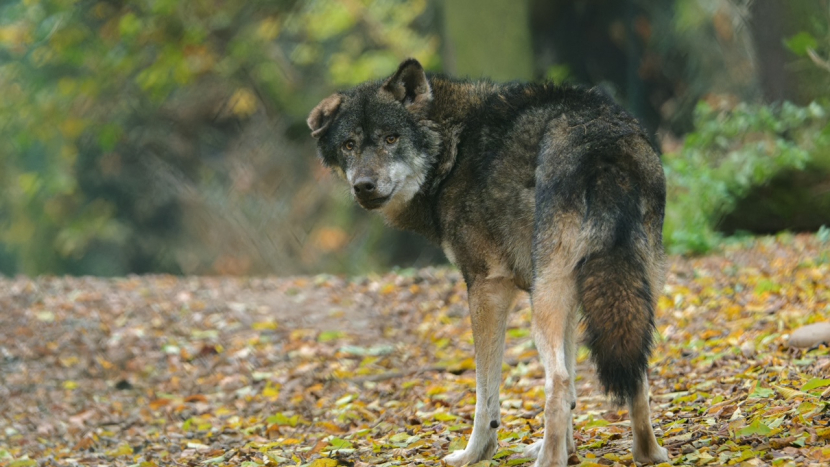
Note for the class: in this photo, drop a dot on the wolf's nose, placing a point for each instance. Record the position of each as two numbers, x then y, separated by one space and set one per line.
364 186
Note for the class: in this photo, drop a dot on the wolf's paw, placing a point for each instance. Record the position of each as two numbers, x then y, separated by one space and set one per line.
459 458
532 450
475 452
657 456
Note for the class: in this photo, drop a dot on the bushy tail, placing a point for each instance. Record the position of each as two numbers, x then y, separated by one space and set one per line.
614 286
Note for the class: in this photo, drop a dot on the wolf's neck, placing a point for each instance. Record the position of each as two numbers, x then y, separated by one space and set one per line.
417 217
453 104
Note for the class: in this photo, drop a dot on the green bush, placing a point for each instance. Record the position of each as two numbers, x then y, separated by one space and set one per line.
730 153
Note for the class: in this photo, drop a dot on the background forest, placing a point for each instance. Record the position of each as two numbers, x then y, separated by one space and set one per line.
165 136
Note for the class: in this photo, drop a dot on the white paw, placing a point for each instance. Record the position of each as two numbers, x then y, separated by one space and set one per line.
458 458
475 452
532 450
659 455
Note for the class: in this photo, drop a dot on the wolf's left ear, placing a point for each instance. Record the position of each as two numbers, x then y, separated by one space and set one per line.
409 85
321 116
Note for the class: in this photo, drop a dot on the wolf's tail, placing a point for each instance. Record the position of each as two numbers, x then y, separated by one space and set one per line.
614 283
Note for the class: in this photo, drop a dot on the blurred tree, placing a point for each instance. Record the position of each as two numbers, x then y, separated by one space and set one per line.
781 77
169 136
658 58
487 38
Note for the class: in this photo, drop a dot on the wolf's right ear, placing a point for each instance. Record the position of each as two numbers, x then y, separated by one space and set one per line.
321 116
409 85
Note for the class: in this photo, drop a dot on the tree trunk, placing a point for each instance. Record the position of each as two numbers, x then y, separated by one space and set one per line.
487 38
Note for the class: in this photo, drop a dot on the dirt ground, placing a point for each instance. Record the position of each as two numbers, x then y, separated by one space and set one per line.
321 371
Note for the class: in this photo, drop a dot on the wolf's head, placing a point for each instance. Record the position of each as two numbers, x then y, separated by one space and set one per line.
377 137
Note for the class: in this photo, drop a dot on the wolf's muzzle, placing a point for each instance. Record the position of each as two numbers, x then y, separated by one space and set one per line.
366 192
364 187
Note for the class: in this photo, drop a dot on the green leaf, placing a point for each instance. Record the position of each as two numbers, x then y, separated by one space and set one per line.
761 393
518 461
756 428
108 136
328 336
815 383
399 437
518 333
444 417
340 443
800 42
597 423
281 419
25 462
129 25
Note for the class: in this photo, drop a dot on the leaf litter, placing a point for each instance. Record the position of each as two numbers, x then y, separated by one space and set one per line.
378 370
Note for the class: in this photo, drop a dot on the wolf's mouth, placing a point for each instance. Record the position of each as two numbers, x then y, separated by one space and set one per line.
374 203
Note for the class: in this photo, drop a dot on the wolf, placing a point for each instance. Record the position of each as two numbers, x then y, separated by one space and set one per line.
553 190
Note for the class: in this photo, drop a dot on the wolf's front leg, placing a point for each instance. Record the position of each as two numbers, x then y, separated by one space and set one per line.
490 300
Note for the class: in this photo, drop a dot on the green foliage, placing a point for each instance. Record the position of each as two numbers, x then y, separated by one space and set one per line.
813 45
800 43
729 153
97 96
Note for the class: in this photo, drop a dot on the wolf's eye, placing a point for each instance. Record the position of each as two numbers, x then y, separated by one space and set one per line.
391 139
348 145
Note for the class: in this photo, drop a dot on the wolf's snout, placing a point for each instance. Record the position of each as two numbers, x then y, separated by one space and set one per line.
365 186
368 194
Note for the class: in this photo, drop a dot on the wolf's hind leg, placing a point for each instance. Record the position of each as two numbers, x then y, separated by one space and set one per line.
646 450
554 303
570 362
490 300
534 449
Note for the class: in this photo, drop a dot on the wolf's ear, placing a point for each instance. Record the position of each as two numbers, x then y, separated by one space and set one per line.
321 117
409 85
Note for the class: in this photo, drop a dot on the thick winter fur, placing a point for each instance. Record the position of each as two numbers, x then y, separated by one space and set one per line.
536 187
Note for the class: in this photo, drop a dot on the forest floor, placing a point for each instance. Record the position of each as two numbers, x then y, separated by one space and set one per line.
378 370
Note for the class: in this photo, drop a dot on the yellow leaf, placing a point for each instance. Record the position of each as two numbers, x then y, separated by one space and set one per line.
433 390
70 385
264 326
789 393
270 391
15 35
466 364
331 427
123 450
243 103
67 86
71 128
665 303
268 29
323 462
104 363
